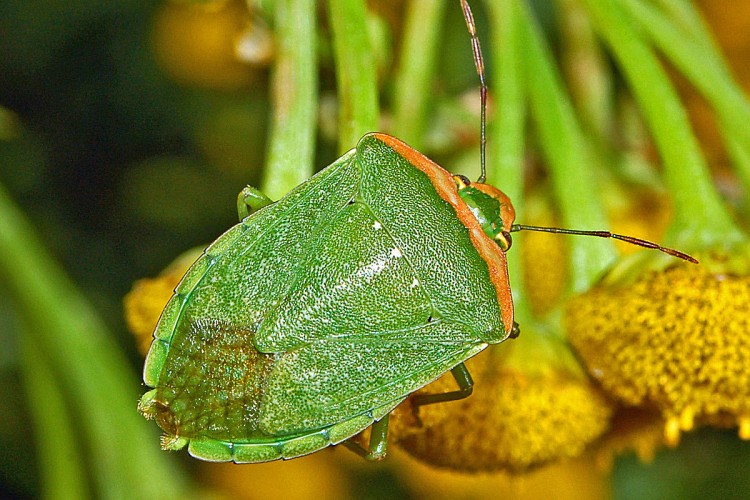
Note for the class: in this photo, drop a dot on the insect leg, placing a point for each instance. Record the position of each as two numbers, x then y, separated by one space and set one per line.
378 441
250 200
465 388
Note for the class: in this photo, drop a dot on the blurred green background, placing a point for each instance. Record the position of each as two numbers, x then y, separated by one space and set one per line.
126 131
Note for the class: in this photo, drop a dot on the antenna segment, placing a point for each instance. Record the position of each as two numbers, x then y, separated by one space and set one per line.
606 234
479 63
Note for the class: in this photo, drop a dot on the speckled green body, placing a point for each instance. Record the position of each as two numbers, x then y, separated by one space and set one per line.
318 314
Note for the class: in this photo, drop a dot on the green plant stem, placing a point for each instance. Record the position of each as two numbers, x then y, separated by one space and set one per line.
295 103
693 52
61 466
701 220
355 72
506 141
585 69
94 376
413 81
506 132
688 19
566 154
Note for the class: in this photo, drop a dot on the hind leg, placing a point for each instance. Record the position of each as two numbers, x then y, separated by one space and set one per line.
376 449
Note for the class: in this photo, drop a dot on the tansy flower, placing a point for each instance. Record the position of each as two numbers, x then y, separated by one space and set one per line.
676 339
532 405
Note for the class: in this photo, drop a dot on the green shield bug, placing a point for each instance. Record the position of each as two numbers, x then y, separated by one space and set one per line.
318 314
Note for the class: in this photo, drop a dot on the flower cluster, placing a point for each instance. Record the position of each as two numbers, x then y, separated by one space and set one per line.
677 340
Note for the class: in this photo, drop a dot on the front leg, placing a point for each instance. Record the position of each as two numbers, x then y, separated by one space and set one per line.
251 200
465 388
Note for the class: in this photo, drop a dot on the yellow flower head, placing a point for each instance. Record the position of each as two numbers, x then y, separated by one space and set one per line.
676 339
531 405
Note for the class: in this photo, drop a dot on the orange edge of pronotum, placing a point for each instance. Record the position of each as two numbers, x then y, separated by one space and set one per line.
445 186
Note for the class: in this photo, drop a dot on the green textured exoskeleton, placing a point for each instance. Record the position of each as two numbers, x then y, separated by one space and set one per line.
318 314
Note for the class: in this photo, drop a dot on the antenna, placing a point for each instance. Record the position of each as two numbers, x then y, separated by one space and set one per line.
606 234
479 63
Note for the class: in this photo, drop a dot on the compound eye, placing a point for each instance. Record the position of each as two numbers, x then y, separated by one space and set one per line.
504 240
461 181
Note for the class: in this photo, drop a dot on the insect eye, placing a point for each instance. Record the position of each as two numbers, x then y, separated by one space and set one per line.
504 240
461 181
